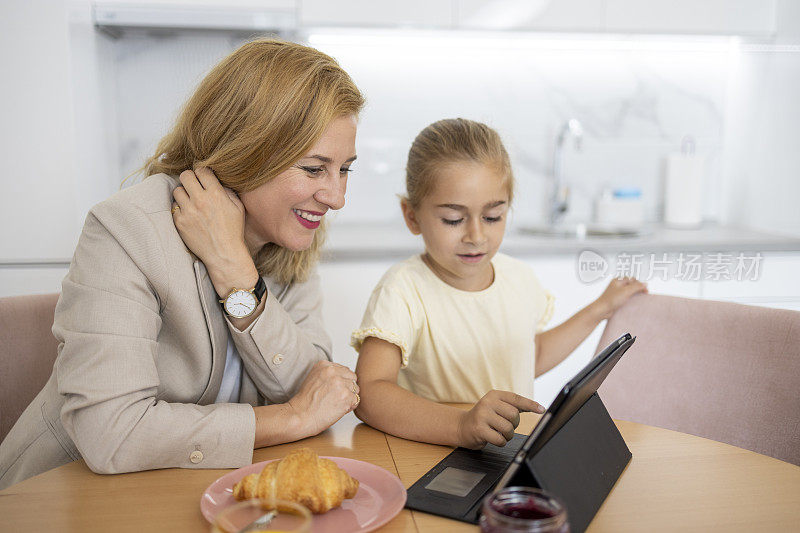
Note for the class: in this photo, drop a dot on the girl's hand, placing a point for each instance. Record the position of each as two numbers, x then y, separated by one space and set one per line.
327 394
616 294
493 419
210 220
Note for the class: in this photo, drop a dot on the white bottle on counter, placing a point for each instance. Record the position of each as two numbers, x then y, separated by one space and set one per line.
683 187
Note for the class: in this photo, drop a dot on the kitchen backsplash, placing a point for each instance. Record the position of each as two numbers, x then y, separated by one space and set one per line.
636 103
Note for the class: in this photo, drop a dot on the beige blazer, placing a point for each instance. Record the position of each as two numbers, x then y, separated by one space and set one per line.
143 342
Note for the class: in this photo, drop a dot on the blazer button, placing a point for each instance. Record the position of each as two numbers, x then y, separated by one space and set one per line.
196 456
278 359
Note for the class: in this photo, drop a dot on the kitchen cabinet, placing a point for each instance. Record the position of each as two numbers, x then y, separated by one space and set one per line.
541 15
723 17
245 15
716 17
776 280
366 13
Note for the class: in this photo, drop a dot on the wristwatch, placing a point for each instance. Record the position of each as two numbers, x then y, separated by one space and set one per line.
241 303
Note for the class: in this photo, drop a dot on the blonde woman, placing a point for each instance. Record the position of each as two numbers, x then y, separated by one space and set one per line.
189 321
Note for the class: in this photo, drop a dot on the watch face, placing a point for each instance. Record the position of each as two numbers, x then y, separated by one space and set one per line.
240 304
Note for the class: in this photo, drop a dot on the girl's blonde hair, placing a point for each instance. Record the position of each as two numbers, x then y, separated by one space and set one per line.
453 140
254 115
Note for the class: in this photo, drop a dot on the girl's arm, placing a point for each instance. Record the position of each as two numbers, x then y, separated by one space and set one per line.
554 345
390 408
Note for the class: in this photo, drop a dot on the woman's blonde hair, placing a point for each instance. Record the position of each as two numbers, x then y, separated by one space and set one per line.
453 140
254 115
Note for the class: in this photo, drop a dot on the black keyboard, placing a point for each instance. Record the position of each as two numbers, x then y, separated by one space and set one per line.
495 454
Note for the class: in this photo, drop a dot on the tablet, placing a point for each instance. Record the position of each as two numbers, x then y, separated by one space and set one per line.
456 486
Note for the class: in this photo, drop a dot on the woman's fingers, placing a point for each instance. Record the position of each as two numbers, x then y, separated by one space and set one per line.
338 375
180 196
234 198
190 183
208 179
345 372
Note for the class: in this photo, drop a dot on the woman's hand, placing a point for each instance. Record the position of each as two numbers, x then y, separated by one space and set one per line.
616 294
493 419
326 395
210 220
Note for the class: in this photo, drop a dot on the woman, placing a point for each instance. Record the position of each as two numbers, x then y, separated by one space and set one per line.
189 321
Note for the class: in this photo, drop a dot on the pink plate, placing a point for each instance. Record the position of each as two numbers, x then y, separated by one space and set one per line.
380 497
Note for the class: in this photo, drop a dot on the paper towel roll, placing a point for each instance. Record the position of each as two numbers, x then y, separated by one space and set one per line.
683 190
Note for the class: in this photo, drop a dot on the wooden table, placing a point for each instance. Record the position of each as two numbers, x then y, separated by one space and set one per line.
674 482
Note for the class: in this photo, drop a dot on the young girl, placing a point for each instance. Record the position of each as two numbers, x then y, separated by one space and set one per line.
461 320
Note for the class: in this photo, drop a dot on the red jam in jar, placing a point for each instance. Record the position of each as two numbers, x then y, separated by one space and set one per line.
523 510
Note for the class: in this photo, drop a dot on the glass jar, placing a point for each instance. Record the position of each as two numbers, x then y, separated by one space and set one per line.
523 509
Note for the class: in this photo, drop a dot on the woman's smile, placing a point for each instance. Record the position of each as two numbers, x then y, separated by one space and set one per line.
309 219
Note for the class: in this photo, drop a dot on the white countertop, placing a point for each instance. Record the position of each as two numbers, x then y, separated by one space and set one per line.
351 242
358 242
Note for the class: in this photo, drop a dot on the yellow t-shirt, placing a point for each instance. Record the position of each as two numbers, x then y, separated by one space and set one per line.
458 345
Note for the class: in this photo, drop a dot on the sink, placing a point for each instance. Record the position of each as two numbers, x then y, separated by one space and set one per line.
583 231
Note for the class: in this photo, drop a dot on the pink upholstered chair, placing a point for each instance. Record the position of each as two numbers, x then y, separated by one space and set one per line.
27 352
718 370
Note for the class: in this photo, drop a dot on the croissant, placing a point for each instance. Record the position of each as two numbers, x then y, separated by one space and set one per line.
301 477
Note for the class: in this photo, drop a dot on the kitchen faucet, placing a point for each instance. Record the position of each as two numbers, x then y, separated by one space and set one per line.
559 198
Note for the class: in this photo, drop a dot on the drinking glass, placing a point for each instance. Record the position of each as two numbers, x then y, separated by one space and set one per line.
255 516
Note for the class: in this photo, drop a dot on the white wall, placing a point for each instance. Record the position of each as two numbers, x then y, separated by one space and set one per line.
39 216
82 110
94 109
762 186
57 147
636 103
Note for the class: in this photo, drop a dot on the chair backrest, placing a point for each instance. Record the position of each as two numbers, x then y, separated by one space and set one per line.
719 370
27 352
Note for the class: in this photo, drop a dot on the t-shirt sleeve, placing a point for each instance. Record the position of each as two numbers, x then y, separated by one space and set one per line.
544 298
389 316
549 308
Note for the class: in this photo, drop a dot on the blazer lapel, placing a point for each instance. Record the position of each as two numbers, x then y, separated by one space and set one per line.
217 330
